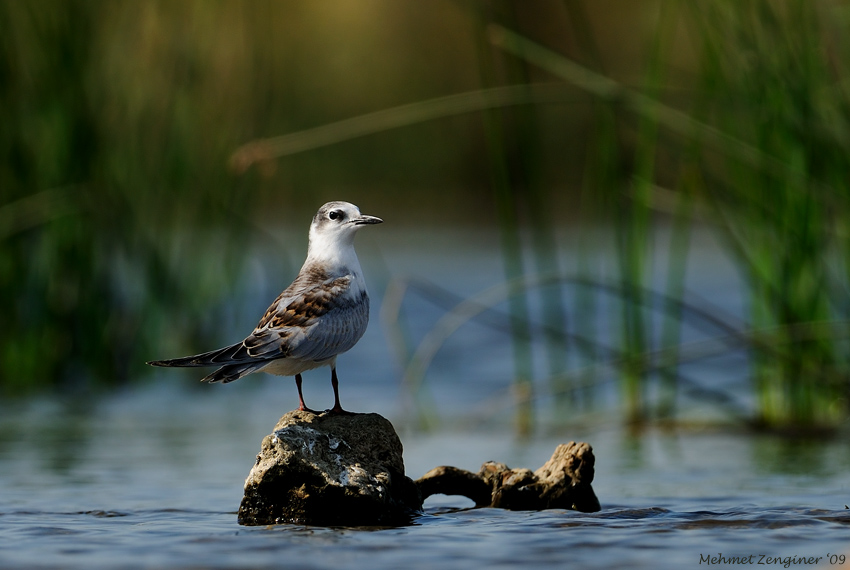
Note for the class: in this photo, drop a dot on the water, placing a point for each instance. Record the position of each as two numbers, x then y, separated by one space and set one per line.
151 477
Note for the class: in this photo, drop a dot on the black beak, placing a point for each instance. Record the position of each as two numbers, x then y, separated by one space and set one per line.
362 220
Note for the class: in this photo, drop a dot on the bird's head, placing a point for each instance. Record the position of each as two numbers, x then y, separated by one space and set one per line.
334 226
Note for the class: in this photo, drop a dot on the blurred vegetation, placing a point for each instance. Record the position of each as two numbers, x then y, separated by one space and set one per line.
784 90
142 139
118 123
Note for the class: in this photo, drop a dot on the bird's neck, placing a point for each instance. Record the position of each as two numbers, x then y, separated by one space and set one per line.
337 257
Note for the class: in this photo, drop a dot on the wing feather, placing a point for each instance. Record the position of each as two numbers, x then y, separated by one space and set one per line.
320 322
316 318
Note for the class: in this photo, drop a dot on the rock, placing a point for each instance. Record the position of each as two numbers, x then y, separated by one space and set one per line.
328 470
446 480
347 470
563 482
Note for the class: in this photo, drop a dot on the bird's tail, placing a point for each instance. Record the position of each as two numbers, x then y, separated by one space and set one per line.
233 372
234 360
222 356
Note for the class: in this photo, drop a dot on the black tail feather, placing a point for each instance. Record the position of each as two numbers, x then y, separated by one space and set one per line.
213 358
233 372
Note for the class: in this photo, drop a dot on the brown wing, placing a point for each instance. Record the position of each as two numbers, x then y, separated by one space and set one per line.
311 322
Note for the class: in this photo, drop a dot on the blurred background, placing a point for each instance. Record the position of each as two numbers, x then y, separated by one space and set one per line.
639 207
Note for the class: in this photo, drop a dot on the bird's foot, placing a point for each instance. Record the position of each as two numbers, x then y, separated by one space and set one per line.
337 409
306 409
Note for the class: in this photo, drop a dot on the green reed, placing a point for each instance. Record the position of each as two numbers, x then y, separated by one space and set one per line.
634 245
773 74
102 178
508 163
772 151
623 192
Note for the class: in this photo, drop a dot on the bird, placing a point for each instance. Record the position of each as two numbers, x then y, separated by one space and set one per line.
322 314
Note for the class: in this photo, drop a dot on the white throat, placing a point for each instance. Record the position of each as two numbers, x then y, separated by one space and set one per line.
334 250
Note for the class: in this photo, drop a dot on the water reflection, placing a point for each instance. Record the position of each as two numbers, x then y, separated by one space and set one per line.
799 456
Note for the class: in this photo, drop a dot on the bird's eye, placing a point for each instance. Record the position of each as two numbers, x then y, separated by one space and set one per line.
335 214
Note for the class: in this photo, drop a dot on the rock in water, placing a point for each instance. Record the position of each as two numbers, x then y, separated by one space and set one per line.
330 469
563 482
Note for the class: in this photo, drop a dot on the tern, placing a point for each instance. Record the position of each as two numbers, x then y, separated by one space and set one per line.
322 314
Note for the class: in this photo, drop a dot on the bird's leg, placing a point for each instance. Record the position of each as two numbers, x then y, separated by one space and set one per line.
301 406
337 409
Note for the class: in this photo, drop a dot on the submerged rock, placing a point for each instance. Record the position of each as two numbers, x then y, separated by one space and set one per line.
563 482
330 469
